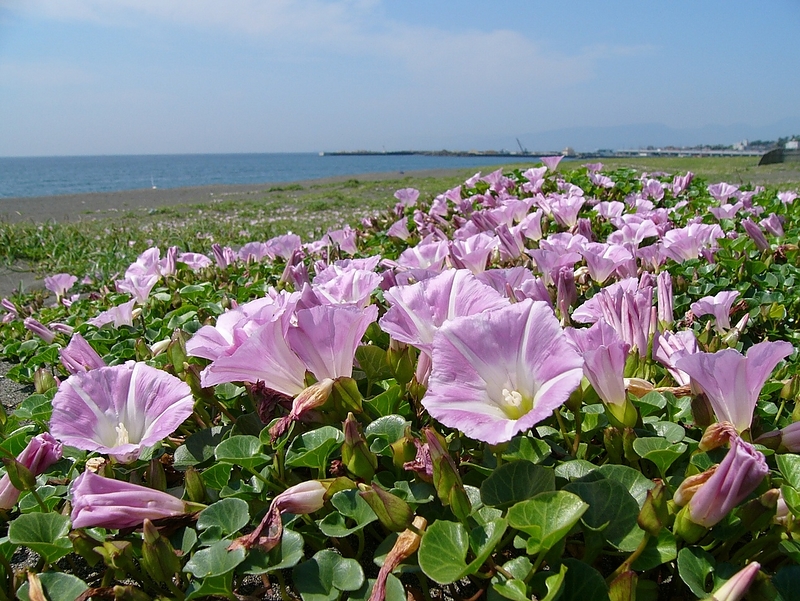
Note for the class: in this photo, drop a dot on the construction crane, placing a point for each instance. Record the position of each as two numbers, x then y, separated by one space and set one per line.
522 149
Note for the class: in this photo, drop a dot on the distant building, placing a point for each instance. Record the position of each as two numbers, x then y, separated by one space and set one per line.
741 145
792 145
569 151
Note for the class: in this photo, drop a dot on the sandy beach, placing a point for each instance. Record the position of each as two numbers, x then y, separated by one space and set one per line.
97 205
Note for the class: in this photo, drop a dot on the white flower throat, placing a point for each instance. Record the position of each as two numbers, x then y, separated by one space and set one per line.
122 435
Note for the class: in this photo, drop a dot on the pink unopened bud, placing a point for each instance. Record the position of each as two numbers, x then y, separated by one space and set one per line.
736 587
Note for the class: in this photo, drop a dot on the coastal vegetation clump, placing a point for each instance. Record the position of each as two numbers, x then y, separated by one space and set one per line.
540 382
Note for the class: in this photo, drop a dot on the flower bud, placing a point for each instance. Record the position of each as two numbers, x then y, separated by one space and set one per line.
356 456
654 513
612 440
43 380
623 587
394 513
158 557
404 547
130 593
446 478
176 351
691 485
156 476
194 485
737 585
716 435
638 387
401 360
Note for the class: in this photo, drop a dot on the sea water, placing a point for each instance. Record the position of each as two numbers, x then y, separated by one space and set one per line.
48 176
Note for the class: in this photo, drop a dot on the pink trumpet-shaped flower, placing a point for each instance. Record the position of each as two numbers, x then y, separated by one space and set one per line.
739 474
399 229
722 191
303 498
501 372
737 585
119 410
665 298
669 347
604 354
99 502
41 452
121 315
732 381
194 261
551 162
719 306
60 283
417 311
78 356
787 197
773 224
756 234
41 330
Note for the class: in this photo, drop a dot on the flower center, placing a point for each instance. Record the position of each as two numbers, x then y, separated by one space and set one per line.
514 404
122 435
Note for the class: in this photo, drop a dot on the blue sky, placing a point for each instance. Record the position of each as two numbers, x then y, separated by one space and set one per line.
179 76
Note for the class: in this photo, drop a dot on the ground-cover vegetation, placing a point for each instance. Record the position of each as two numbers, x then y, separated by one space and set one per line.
544 382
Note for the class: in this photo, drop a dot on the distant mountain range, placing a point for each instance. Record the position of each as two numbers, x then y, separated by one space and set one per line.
588 139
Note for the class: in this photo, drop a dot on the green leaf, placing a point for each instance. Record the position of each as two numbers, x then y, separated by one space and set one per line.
554 584
443 550
789 466
516 590
659 451
217 475
671 432
199 447
394 590
57 587
528 448
213 586
350 506
36 408
792 499
635 482
546 518
386 403
658 551
228 515
285 555
241 450
612 510
787 581
324 576
583 582
312 449
215 560
385 431
373 362
694 568
516 481
43 533
652 402
575 469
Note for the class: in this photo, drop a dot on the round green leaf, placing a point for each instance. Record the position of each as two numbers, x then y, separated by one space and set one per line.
385 431
636 483
241 450
658 551
317 579
789 466
443 551
57 587
516 481
694 568
583 582
546 518
285 555
312 449
351 507
611 510
43 533
659 451
348 575
215 560
229 515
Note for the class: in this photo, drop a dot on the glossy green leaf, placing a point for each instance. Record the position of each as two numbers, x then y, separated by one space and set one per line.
352 509
57 587
228 516
373 362
516 481
789 466
285 555
527 448
386 403
583 582
312 449
612 510
443 551
213 586
659 451
383 432
324 576
44 533
694 567
546 518
215 560
199 447
658 551
241 450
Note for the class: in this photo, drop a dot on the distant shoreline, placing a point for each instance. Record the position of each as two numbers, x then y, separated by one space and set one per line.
102 205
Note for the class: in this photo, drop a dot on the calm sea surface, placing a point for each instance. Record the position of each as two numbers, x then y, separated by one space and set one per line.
47 176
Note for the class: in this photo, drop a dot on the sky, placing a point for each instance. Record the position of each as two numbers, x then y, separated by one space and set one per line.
88 77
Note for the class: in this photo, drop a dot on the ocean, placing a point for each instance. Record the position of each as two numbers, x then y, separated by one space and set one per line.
50 176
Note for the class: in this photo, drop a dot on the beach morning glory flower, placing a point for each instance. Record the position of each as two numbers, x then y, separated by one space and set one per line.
60 283
732 381
41 452
119 410
41 330
99 502
501 372
719 306
78 356
604 354
551 162
121 315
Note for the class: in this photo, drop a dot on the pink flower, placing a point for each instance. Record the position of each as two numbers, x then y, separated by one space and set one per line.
78 356
502 372
121 315
194 261
604 354
756 234
60 283
99 502
737 585
551 162
41 452
41 330
732 381
119 410
399 229
719 306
